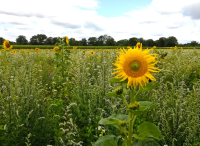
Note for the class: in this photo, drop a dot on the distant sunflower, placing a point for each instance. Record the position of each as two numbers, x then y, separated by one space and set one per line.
67 40
55 48
84 52
92 52
74 47
135 65
87 54
7 45
36 49
139 45
107 52
14 51
28 52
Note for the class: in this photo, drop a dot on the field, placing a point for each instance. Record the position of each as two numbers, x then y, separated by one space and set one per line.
45 103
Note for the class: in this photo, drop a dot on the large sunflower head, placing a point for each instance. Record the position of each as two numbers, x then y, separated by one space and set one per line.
6 45
135 65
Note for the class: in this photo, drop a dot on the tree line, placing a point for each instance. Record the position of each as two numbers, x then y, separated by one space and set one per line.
103 40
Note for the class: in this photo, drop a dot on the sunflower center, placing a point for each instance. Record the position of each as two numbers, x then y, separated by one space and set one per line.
135 66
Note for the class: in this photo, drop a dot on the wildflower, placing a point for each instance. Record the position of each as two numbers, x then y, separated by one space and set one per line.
67 40
92 52
7 45
135 65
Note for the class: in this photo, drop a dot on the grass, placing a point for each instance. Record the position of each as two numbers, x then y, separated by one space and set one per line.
33 110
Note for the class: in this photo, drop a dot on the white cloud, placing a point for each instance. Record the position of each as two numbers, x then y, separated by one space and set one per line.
79 19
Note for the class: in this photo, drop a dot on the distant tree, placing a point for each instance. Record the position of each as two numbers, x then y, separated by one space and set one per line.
102 40
1 40
55 40
141 40
21 40
171 41
72 41
41 39
161 42
77 43
194 43
110 41
123 42
92 41
49 41
34 40
84 42
133 41
150 42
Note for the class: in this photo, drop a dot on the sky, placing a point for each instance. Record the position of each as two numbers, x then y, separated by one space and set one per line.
149 19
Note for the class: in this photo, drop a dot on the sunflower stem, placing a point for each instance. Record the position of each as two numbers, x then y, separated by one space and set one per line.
131 119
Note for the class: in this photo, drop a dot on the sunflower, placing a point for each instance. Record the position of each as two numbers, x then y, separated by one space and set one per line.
28 52
67 40
74 47
36 49
135 65
92 52
55 48
14 51
139 45
84 52
7 45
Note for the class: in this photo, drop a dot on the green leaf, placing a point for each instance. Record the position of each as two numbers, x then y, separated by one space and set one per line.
101 140
146 130
146 142
114 120
112 94
149 87
120 117
109 142
114 80
1 127
144 107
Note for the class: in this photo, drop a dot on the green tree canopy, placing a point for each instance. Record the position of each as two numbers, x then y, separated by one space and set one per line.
171 41
21 40
92 41
150 42
1 40
133 41
84 42
194 43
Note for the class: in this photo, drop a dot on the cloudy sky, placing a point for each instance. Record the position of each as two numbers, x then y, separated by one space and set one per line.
149 19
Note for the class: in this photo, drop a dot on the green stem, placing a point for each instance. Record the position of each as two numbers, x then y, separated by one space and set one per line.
131 119
123 98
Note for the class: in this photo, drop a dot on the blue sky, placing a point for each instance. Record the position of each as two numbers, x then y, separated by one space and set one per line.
149 19
115 8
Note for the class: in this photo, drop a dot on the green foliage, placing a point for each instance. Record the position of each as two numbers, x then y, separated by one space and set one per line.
146 130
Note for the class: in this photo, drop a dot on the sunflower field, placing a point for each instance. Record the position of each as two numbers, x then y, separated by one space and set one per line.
56 97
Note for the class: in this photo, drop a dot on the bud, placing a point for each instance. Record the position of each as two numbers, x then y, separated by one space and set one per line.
122 123
134 106
118 91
